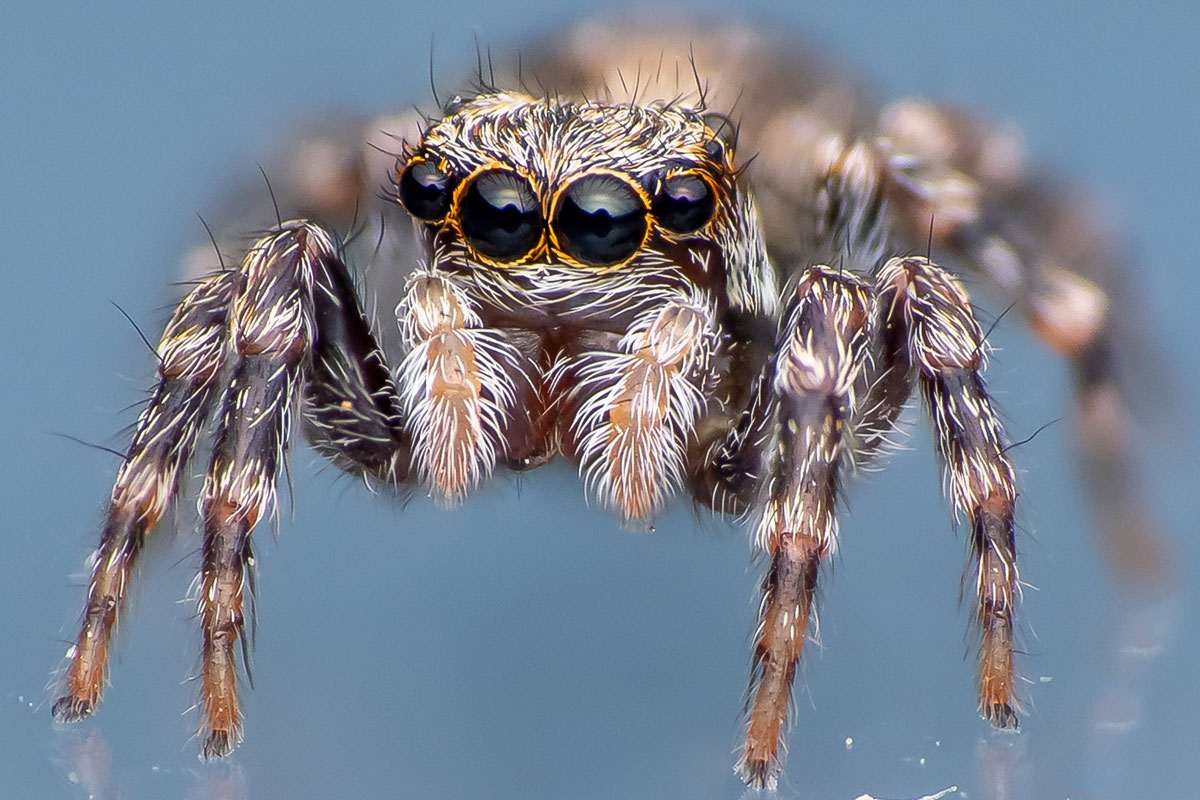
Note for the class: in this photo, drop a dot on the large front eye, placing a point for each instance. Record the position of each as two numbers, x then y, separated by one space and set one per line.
425 190
684 203
600 220
499 215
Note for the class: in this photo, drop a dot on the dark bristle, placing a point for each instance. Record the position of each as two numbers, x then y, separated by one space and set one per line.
68 709
217 744
1002 716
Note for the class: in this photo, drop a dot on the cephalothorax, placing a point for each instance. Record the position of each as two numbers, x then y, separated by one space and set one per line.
593 280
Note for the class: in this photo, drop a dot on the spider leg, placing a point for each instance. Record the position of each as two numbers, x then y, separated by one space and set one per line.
287 318
931 310
630 404
297 321
352 412
964 184
884 386
853 223
271 332
851 228
821 349
191 355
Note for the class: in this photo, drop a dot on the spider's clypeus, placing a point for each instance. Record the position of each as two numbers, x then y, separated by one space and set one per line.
595 279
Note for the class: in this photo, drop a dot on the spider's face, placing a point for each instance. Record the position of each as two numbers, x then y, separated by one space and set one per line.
515 186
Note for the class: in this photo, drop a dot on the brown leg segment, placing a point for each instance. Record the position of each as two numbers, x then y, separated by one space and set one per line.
933 312
822 349
787 604
191 355
222 621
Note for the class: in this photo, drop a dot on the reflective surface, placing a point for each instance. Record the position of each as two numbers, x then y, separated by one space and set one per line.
525 646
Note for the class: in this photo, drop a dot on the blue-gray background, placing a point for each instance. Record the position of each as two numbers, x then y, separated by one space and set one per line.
525 646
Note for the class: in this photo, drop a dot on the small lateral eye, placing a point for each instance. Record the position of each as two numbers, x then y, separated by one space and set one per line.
425 190
685 203
600 220
725 134
500 216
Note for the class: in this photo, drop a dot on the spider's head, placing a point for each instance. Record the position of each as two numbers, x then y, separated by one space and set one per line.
510 184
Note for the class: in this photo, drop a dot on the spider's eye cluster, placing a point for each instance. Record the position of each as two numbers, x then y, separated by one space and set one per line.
600 220
500 216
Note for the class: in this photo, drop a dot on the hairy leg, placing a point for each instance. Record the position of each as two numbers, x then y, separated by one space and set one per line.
933 313
191 355
271 333
821 349
850 227
853 224
284 328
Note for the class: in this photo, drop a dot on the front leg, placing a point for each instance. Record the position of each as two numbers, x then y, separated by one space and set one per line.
286 319
271 332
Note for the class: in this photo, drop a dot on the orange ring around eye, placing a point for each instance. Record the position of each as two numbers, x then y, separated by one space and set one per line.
454 216
556 201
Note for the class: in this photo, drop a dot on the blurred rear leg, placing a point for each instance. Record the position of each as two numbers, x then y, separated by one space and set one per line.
966 183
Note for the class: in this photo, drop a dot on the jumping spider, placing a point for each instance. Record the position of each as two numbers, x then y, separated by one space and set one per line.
595 280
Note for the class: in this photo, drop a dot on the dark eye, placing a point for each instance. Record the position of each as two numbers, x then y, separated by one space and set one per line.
684 203
499 215
425 190
725 132
600 220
